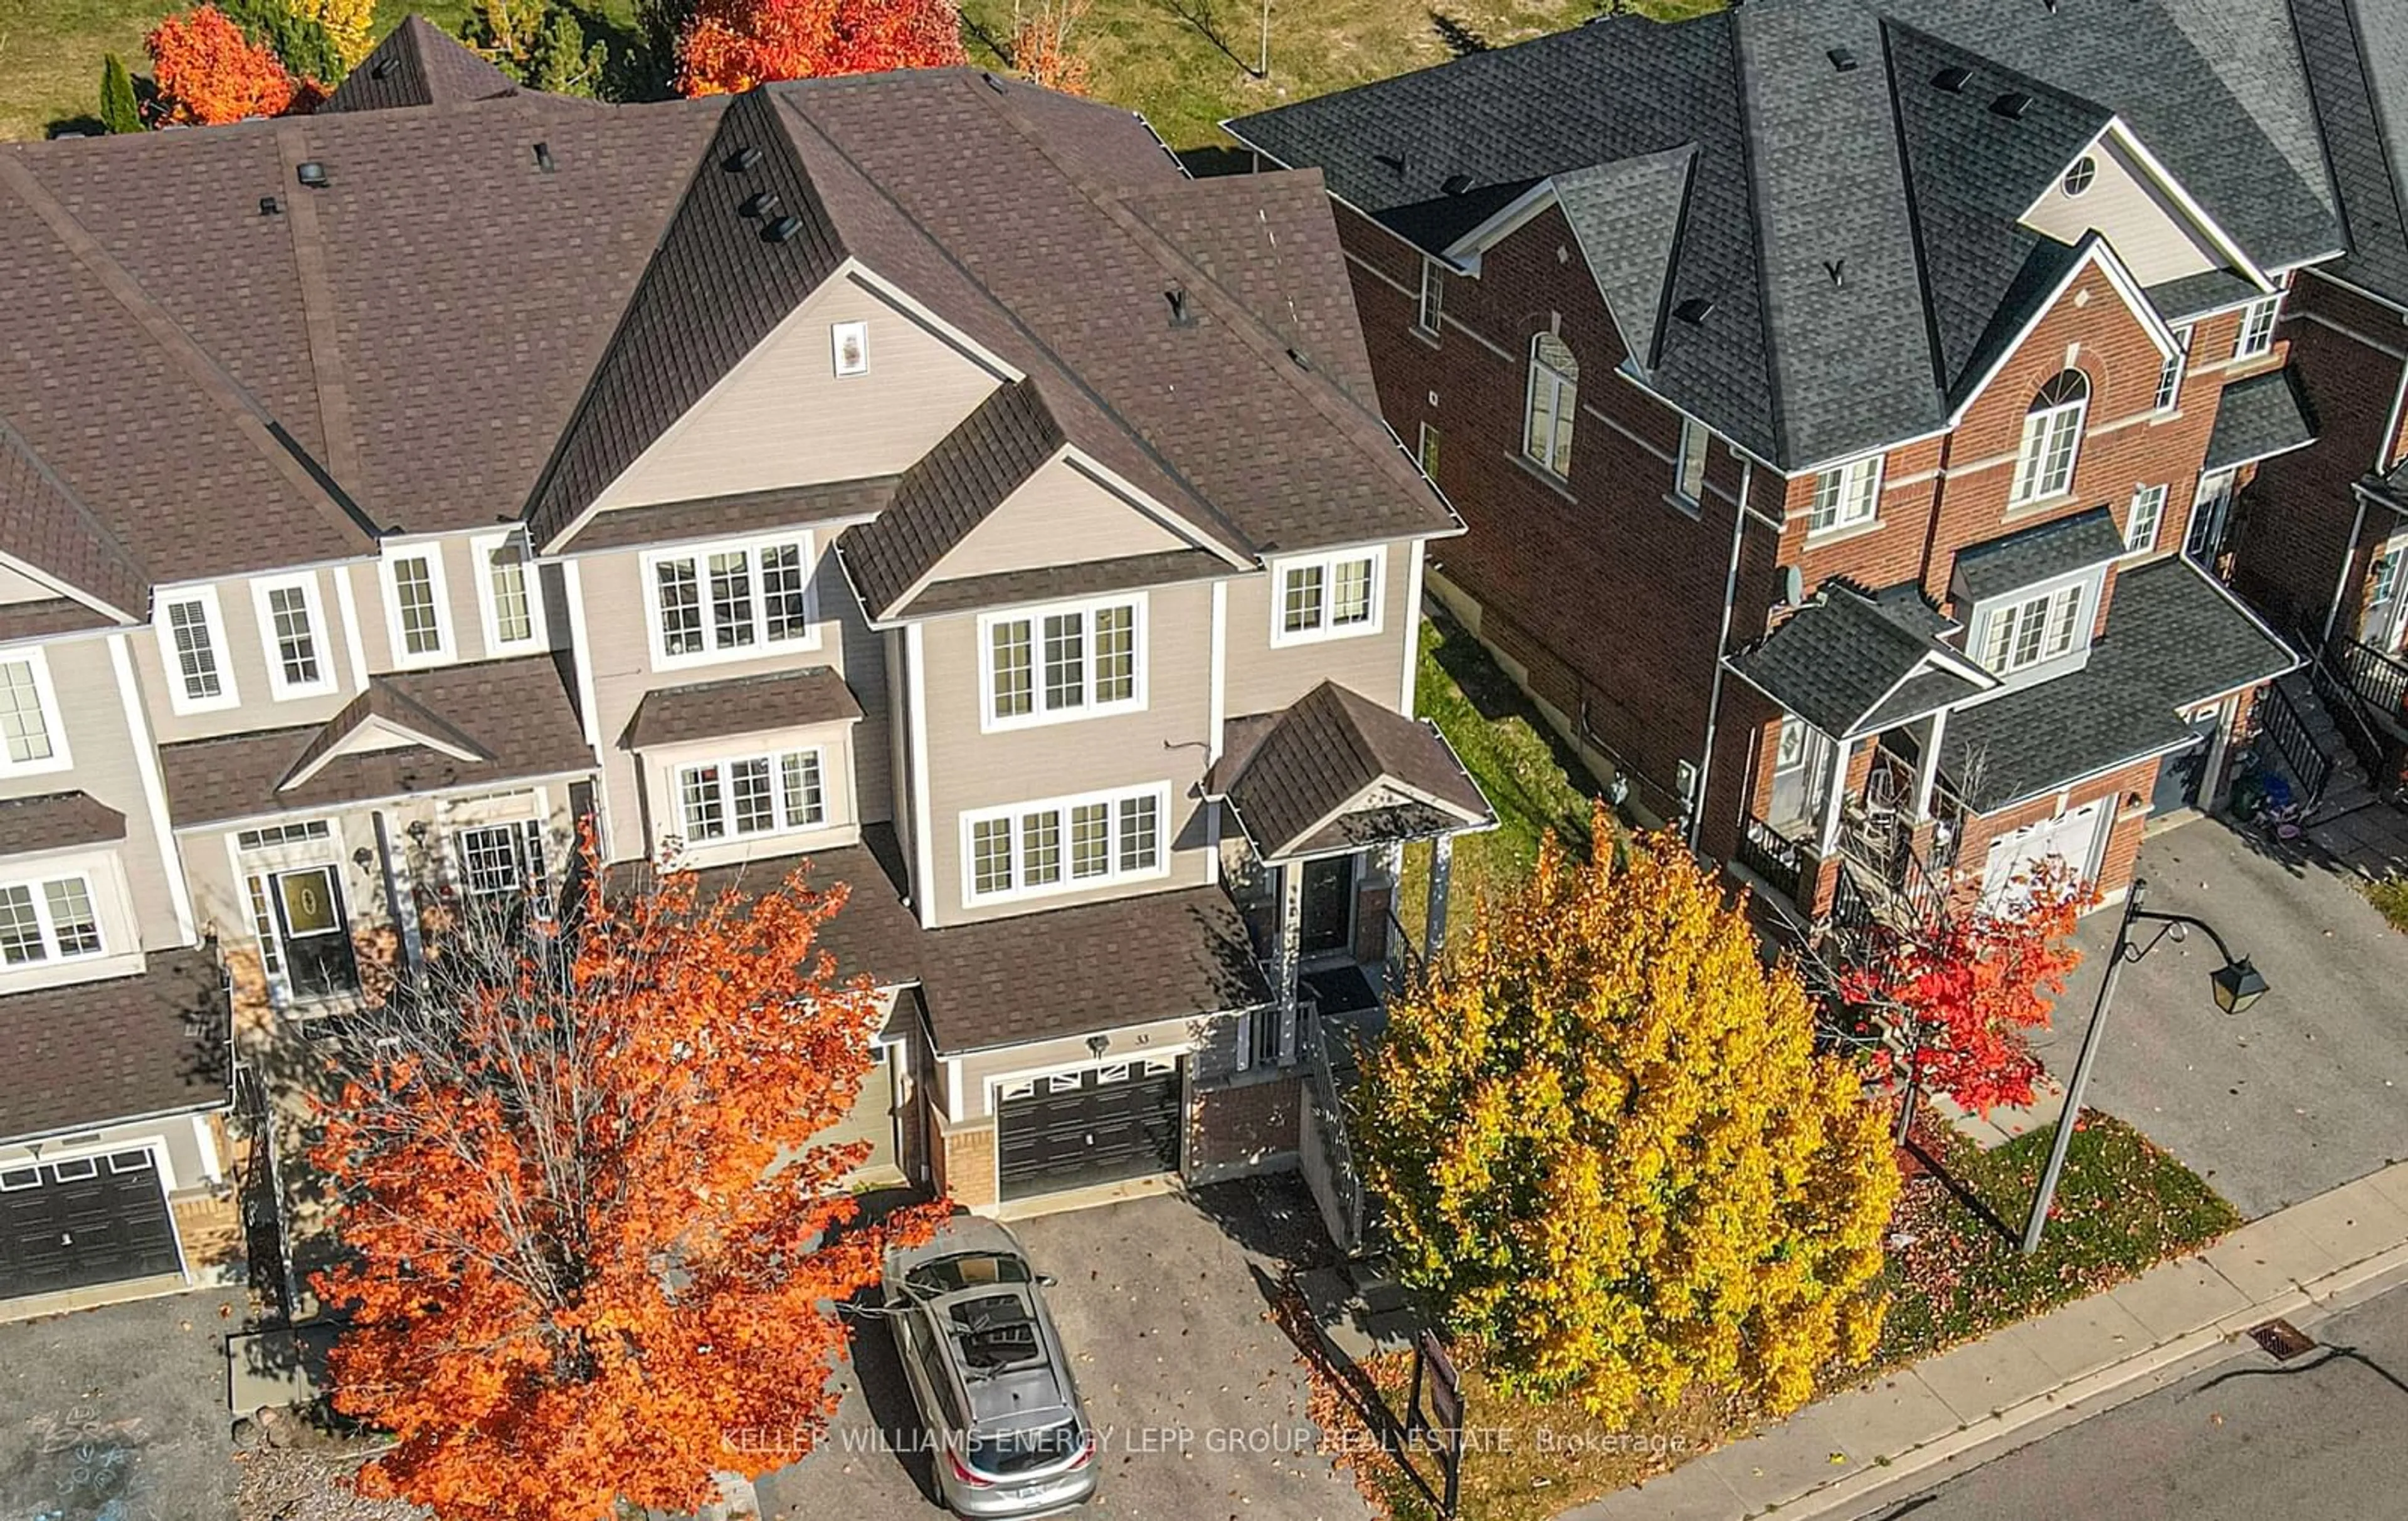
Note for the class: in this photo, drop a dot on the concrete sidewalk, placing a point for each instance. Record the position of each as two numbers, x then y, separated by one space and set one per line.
1833 1458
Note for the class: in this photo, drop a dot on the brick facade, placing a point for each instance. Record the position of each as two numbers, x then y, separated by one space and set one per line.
965 1164
1246 1125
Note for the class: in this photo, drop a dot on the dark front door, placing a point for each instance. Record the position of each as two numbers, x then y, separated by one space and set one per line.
1327 917
314 934
1073 1130
2180 778
92 1220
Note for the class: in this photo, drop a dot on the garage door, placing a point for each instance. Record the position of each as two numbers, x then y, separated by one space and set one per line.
2073 836
1072 1129
92 1220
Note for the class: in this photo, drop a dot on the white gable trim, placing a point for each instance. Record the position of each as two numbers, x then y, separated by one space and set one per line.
1465 252
868 279
2128 140
43 578
382 728
2094 253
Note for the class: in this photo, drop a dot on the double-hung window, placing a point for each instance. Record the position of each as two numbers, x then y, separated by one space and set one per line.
1690 471
1063 844
418 613
48 921
291 637
1325 596
1846 495
512 595
191 640
29 729
1075 661
2170 374
496 859
730 601
2148 513
1554 399
2257 332
1433 298
2052 438
752 794
2023 634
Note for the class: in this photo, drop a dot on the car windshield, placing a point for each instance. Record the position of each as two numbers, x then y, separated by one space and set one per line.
1004 1453
964 1269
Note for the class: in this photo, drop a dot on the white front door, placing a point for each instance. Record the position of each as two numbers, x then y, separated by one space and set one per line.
2073 838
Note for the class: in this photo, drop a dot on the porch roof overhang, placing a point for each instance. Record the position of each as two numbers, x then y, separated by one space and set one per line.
1335 771
1853 664
2258 418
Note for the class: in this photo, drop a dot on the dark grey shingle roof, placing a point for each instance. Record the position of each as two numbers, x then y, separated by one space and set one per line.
1837 661
88 1053
2030 556
2209 289
746 705
2257 418
1627 217
2356 56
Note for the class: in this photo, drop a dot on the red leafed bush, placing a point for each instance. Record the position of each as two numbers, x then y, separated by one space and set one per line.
733 45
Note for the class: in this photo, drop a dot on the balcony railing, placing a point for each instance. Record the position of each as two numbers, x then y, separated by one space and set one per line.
2280 721
1775 859
2380 680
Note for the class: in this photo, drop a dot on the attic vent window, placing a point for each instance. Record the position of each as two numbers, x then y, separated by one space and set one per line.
1181 313
312 174
2012 105
1951 79
759 204
1843 59
740 160
2078 177
1695 311
782 230
1455 184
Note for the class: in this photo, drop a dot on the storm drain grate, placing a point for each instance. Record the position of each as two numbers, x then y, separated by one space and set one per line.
2282 1340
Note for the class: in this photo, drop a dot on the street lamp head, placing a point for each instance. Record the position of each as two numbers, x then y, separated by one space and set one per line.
2238 984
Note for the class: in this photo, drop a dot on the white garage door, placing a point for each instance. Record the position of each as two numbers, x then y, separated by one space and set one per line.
2073 836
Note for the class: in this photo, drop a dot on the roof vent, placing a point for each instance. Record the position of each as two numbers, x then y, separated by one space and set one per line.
382 68
1302 361
782 230
1838 271
269 206
740 160
2012 105
1695 311
543 157
1392 163
1181 313
1843 59
312 174
992 82
759 204
1951 79
1455 184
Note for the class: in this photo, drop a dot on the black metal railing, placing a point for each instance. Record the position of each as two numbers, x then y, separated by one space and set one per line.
1326 1100
1404 967
1773 856
2280 721
2380 680
2342 701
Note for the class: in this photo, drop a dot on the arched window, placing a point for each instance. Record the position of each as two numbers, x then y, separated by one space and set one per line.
2052 437
1554 397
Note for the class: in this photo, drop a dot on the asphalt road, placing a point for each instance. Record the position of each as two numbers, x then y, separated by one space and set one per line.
2317 1439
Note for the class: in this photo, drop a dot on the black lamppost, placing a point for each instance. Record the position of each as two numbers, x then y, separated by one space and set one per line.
2237 984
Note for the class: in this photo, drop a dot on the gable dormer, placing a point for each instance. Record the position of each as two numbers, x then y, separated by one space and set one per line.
2116 189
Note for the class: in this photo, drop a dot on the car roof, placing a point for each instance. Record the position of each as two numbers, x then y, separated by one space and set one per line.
1033 1392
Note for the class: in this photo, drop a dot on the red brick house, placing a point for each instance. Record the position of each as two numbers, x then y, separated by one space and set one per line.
2321 542
1832 395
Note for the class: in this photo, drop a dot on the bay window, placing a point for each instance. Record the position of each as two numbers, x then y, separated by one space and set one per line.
751 795
48 921
731 600
2025 633
1049 664
1062 844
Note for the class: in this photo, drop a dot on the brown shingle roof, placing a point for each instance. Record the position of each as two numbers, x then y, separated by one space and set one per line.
747 705
1048 583
515 710
873 935
90 1052
751 512
417 64
55 822
51 615
1288 775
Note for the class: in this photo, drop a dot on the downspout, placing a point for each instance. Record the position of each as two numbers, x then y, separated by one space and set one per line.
1722 649
2349 558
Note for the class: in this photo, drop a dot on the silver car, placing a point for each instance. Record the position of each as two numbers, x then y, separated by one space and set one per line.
987 1370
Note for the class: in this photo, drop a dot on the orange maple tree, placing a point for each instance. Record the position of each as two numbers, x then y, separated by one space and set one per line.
731 45
1044 47
593 1240
209 73
1964 994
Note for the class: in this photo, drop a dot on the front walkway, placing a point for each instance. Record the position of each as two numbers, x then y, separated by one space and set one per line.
1832 1457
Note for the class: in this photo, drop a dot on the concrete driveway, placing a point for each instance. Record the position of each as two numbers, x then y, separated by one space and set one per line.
1197 1398
2307 1090
118 1414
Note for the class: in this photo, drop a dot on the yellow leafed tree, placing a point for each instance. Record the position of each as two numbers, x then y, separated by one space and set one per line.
1606 1146
346 24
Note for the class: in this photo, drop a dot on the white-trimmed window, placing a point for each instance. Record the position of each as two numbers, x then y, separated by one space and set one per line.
1326 597
291 637
510 593
751 795
47 921
2023 634
1846 495
418 613
2169 373
495 859
2052 438
1074 660
1553 398
849 346
1426 451
31 740
192 642
1063 844
731 601
1433 298
2142 523
2211 505
1690 471
2257 332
